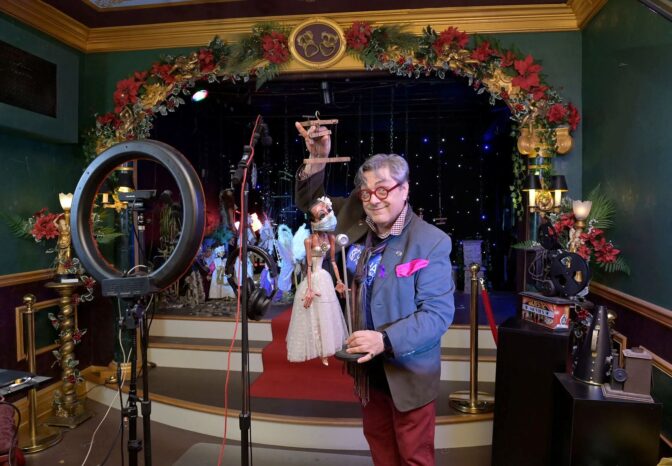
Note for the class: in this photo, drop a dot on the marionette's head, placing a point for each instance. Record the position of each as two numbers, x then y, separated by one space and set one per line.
322 217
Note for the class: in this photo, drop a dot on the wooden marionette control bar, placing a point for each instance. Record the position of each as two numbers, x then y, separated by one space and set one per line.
327 160
317 123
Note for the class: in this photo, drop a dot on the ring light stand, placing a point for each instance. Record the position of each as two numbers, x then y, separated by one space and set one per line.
116 283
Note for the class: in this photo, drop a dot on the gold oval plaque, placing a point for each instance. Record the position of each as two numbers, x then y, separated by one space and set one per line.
317 42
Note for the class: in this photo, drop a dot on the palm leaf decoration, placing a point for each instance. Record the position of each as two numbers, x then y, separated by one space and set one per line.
528 244
17 224
618 265
603 209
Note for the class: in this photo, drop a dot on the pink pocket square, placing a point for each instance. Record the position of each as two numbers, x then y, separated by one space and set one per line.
409 268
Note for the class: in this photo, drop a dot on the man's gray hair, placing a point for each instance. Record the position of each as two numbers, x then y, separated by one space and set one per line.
395 163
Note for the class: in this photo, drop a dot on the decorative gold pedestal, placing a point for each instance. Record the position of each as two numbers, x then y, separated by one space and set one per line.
37 437
68 411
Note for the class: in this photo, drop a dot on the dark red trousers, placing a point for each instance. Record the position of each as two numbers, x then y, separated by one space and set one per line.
396 438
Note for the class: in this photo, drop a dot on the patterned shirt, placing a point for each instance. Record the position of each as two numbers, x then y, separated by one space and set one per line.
397 226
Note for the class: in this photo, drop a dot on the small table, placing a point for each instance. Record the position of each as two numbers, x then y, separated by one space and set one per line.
589 429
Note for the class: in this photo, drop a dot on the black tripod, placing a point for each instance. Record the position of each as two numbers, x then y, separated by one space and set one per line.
135 317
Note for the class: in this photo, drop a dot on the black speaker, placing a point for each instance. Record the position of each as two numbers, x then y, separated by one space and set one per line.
528 355
258 300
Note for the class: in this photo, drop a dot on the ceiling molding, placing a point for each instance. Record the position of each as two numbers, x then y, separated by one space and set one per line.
49 20
483 20
584 10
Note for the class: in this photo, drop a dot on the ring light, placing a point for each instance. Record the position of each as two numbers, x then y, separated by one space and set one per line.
193 209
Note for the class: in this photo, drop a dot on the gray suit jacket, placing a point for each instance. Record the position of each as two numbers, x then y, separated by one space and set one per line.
416 310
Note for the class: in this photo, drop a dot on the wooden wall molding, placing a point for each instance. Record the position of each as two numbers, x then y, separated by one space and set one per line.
26 277
649 310
480 19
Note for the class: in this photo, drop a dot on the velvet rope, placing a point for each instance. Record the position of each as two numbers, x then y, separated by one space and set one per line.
488 311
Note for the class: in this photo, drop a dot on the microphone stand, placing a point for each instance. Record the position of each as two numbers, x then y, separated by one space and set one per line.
245 414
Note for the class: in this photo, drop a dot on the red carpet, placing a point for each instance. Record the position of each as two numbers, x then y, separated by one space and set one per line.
310 380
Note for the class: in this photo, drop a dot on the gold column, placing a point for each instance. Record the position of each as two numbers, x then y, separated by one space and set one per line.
67 410
41 436
468 401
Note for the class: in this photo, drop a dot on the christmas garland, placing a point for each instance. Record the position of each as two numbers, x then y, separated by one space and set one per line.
505 74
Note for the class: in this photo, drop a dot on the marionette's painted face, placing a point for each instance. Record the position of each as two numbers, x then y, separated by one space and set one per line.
322 217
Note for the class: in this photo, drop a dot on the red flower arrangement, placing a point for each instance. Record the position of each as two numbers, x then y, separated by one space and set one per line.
449 39
276 48
357 37
42 225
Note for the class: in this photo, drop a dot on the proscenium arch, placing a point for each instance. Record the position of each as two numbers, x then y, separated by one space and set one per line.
191 195
504 75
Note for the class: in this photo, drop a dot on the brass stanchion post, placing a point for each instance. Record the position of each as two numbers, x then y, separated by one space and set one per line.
67 411
41 436
473 401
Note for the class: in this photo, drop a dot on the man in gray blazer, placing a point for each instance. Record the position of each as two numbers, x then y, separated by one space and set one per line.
404 303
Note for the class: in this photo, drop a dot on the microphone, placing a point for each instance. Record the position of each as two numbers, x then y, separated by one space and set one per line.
342 239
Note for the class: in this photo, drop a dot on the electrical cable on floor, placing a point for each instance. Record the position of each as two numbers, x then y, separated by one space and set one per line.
103 420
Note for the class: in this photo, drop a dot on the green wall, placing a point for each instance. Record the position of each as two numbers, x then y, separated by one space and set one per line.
34 165
627 67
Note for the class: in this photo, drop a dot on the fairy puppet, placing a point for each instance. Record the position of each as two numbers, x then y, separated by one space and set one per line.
317 327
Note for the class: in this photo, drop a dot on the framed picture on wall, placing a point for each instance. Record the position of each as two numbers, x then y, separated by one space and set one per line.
661 391
620 342
45 333
662 7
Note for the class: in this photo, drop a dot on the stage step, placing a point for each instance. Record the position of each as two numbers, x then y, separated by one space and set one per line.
193 399
211 353
219 328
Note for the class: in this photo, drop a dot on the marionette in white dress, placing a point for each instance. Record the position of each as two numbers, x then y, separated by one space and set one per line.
219 282
317 327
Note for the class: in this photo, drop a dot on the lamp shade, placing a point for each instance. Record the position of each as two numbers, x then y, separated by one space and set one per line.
558 183
581 209
125 179
65 200
532 182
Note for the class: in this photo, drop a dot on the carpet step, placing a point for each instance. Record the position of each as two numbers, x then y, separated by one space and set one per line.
193 399
211 353
457 336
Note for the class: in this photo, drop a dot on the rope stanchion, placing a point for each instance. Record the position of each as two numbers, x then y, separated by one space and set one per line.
473 401
488 311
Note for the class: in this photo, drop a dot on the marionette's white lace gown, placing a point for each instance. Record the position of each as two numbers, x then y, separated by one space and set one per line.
318 331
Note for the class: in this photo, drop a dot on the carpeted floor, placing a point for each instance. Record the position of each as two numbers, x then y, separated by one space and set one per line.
309 380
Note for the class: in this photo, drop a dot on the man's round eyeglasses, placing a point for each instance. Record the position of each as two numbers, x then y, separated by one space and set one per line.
381 192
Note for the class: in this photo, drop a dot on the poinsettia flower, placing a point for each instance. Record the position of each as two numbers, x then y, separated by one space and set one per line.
448 39
528 72
573 118
358 36
126 93
556 113
275 47
44 227
607 254
163 72
539 92
584 251
483 51
507 59
206 60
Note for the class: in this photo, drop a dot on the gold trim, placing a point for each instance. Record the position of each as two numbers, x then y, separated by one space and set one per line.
26 277
93 6
483 20
49 20
584 10
649 310
18 318
318 65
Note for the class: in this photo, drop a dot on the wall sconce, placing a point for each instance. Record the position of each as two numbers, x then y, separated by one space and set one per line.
541 198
